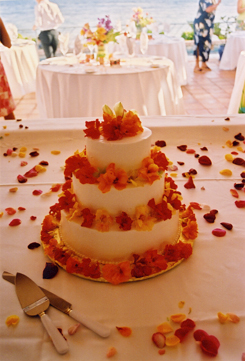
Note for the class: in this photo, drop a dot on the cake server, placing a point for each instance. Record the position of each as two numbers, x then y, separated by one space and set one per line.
34 302
66 307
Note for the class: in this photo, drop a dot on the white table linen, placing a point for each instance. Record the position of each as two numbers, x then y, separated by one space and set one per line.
71 90
211 280
236 94
172 48
20 63
234 45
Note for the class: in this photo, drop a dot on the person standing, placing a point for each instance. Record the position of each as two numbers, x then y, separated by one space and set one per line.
47 19
203 31
7 105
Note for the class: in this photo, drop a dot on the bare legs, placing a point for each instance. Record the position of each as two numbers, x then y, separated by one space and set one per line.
204 64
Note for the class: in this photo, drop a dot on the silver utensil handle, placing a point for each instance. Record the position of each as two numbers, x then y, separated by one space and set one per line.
58 340
95 326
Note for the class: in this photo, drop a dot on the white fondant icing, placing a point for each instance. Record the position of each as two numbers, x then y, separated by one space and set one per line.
115 201
117 245
126 153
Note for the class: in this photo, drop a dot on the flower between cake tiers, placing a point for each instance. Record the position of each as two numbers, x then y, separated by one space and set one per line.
119 217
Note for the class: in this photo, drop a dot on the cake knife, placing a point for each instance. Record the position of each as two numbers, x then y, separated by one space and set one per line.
66 307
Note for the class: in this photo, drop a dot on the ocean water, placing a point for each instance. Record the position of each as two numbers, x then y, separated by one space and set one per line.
78 12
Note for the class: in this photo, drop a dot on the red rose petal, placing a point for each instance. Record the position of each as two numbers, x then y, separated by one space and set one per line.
199 335
21 179
10 211
205 160
228 226
189 184
34 245
182 148
234 193
190 151
37 192
159 339
15 222
55 187
50 270
182 332
31 173
209 217
188 323
195 205
33 218
210 345
240 204
218 232
21 209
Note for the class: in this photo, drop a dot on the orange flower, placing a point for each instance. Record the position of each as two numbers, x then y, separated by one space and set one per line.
93 130
116 274
112 176
143 221
190 231
159 158
103 220
131 124
149 170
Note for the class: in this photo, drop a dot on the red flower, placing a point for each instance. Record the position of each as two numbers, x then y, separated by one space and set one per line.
67 201
161 209
124 221
93 130
160 159
81 167
88 218
116 274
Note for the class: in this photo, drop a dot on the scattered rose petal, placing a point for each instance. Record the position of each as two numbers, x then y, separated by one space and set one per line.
188 323
181 333
238 186
233 318
161 351
240 204
21 209
12 320
181 163
228 226
182 148
234 153
43 162
234 193
15 222
225 129
1 214
34 153
124 331
111 352
164 327
13 190
10 211
222 317
229 157
31 173
23 163
210 345
9 151
205 160
199 335
34 245
172 341
73 329
33 218
22 155
173 175
209 217
227 172
37 192
218 232
178 317
21 179
160 143
40 169
172 168
50 270
55 152
242 174
195 205
23 149
181 304
159 339
204 148
189 184
238 161
55 187
239 136
190 151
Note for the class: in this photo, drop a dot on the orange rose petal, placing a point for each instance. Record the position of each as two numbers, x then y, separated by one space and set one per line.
12 320
124 331
227 172
111 352
234 193
55 152
181 304
161 352
172 340
222 317
178 317
164 327
229 157
233 318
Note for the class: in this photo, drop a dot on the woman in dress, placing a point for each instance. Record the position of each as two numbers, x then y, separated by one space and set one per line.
7 105
203 30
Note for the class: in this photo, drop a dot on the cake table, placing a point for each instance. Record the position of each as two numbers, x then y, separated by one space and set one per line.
210 281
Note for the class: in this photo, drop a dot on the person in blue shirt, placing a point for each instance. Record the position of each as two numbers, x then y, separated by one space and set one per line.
203 31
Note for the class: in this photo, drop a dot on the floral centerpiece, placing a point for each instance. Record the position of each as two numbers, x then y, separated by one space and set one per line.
140 20
103 34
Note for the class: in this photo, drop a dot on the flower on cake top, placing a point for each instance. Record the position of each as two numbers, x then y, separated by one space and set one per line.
117 124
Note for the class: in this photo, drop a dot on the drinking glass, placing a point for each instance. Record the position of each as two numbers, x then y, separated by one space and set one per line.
64 43
143 42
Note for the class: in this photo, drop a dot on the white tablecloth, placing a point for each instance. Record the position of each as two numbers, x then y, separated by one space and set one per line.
20 64
238 86
235 44
68 91
172 48
211 280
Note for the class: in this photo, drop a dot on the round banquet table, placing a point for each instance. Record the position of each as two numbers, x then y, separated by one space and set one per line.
235 44
20 64
238 86
66 88
172 48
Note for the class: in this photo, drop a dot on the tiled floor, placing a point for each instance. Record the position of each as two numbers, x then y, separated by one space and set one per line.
205 93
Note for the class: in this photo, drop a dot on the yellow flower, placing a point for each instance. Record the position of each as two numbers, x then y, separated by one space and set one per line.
143 221
103 220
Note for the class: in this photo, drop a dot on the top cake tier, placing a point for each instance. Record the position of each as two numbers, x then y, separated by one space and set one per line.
126 153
